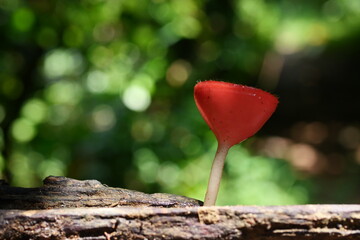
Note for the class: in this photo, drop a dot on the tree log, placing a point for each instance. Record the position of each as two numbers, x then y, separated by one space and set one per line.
320 222
61 192
89 210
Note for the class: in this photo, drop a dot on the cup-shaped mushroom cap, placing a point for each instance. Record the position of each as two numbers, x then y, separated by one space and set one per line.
233 112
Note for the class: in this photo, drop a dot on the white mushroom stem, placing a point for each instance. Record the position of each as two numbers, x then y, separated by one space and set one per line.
215 175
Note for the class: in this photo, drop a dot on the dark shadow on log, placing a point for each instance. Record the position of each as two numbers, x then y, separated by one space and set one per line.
90 210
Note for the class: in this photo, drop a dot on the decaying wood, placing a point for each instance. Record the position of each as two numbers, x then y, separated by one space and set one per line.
61 192
65 208
320 222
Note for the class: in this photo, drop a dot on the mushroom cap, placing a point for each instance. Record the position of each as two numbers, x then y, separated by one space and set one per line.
233 112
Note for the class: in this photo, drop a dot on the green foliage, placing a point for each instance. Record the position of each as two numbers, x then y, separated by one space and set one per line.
104 89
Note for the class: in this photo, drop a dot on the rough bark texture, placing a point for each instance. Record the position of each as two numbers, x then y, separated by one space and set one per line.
236 222
138 220
61 192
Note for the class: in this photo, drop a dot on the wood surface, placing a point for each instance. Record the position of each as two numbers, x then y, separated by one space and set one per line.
62 192
84 216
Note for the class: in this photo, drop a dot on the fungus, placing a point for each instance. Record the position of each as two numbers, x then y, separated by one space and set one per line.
234 113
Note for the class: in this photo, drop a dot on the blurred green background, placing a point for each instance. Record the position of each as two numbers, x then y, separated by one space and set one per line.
103 89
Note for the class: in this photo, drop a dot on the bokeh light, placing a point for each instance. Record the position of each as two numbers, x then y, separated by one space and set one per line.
103 118
136 98
60 63
23 130
23 19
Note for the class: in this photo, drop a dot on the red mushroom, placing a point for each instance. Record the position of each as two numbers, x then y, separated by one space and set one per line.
234 113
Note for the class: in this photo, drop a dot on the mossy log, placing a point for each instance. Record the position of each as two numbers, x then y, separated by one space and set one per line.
147 220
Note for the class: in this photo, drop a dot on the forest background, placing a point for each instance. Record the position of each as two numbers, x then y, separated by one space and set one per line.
103 89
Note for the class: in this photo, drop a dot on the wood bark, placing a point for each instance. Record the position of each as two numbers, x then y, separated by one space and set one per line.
163 221
61 192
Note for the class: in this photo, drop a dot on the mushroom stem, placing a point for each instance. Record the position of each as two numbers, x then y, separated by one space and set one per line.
215 175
